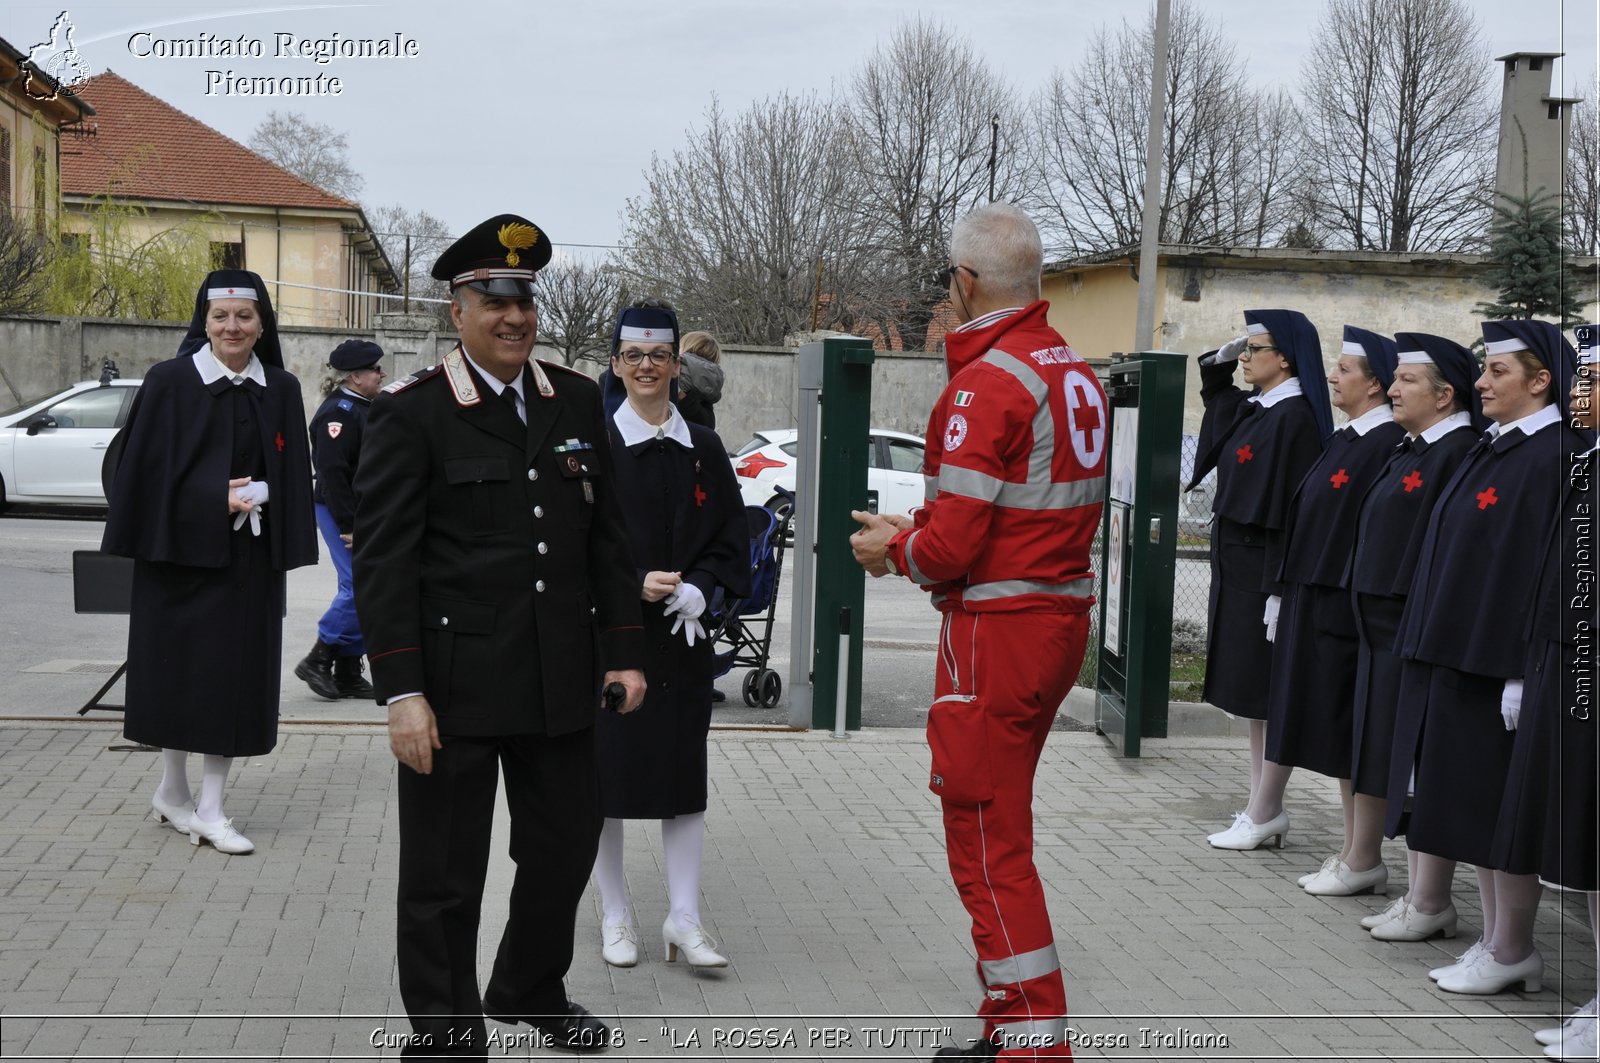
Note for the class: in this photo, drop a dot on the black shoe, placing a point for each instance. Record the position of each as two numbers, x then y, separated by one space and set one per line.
317 671
576 1031
982 1048
348 679
717 695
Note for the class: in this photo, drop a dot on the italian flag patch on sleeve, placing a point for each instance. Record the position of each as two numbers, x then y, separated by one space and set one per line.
963 398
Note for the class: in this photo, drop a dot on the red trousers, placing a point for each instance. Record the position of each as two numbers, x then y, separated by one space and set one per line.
1000 679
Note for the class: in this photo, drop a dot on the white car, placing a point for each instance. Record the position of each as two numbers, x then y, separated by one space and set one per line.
894 469
51 450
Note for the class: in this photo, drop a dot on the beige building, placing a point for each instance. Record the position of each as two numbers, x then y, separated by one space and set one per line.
33 111
315 250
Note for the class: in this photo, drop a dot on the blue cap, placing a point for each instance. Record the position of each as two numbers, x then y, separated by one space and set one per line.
355 354
1379 351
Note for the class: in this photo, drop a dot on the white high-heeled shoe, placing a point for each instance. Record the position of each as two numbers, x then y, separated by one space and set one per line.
1412 925
1553 1034
221 835
698 948
1246 833
1579 1040
1327 865
177 815
1342 880
1396 908
1466 959
619 944
1489 975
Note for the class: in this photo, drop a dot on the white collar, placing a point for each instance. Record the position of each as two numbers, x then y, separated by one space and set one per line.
988 319
1286 390
1543 417
497 385
353 394
1439 429
1382 413
212 370
635 429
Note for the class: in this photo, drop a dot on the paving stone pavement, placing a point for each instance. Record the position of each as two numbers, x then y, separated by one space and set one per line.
824 881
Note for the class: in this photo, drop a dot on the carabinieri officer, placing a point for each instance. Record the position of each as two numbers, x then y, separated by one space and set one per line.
495 586
333 667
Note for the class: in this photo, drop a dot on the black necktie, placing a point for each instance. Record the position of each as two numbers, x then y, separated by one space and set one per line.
509 393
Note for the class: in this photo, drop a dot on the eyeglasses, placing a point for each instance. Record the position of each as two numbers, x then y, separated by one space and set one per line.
1257 348
633 356
941 277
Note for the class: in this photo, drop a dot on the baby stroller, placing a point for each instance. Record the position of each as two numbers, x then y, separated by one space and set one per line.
744 625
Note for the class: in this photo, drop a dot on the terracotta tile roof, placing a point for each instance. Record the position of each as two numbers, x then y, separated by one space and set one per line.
172 156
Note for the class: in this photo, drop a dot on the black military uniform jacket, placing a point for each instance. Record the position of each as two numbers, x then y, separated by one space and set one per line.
492 570
336 432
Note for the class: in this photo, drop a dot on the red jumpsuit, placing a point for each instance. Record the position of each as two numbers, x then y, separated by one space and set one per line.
1015 476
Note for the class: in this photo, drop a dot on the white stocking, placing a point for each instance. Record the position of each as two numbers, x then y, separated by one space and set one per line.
683 838
214 776
608 875
174 788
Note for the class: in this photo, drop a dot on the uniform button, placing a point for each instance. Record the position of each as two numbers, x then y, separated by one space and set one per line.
444 621
539 586
544 548
533 474
538 511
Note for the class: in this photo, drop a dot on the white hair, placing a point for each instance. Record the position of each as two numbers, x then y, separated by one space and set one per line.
1000 243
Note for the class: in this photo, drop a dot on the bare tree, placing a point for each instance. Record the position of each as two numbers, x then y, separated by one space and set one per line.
393 225
578 304
923 112
24 257
1230 152
313 152
1398 96
731 227
1583 176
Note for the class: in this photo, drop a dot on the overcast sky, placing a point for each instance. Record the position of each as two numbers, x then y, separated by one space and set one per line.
552 109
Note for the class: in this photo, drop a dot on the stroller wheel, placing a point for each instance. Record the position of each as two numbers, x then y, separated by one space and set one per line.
770 688
752 695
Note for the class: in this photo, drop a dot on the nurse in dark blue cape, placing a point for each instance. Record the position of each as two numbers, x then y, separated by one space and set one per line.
1549 824
1261 442
687 530
1463 638
1315 650
1435 403
212 499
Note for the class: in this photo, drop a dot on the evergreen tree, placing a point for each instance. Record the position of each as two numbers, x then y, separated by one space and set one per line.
1527 264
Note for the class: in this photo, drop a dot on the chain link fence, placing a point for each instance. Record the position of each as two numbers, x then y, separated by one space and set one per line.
1191 586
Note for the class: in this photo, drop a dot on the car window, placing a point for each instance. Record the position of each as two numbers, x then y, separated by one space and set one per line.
756 443
89 409
905 457
791 448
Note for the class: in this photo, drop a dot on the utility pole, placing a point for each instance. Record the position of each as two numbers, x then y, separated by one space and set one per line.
1150 237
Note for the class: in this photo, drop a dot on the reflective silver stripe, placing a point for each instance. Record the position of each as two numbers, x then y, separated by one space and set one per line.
930 487
1034 1033
912 570
1022 967
1010 588
969 483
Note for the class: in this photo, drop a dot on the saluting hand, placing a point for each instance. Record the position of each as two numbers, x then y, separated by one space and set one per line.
414 733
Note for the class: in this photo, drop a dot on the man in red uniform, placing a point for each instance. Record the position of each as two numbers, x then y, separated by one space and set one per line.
1015 476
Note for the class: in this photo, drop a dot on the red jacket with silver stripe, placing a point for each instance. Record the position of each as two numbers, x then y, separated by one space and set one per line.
1014 470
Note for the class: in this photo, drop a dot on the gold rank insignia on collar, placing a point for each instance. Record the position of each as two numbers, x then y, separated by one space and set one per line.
455 371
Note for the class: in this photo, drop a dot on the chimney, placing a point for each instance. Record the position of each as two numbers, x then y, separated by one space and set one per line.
1533 129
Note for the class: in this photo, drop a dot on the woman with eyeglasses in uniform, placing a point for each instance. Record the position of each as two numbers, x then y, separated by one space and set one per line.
1261 442
686 526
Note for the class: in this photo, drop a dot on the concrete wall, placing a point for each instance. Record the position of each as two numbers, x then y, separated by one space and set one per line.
39 356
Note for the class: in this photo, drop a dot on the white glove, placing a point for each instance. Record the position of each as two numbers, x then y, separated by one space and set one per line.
1270 617
254 492
686 601
1511 703
1228 352
690 626
254 515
